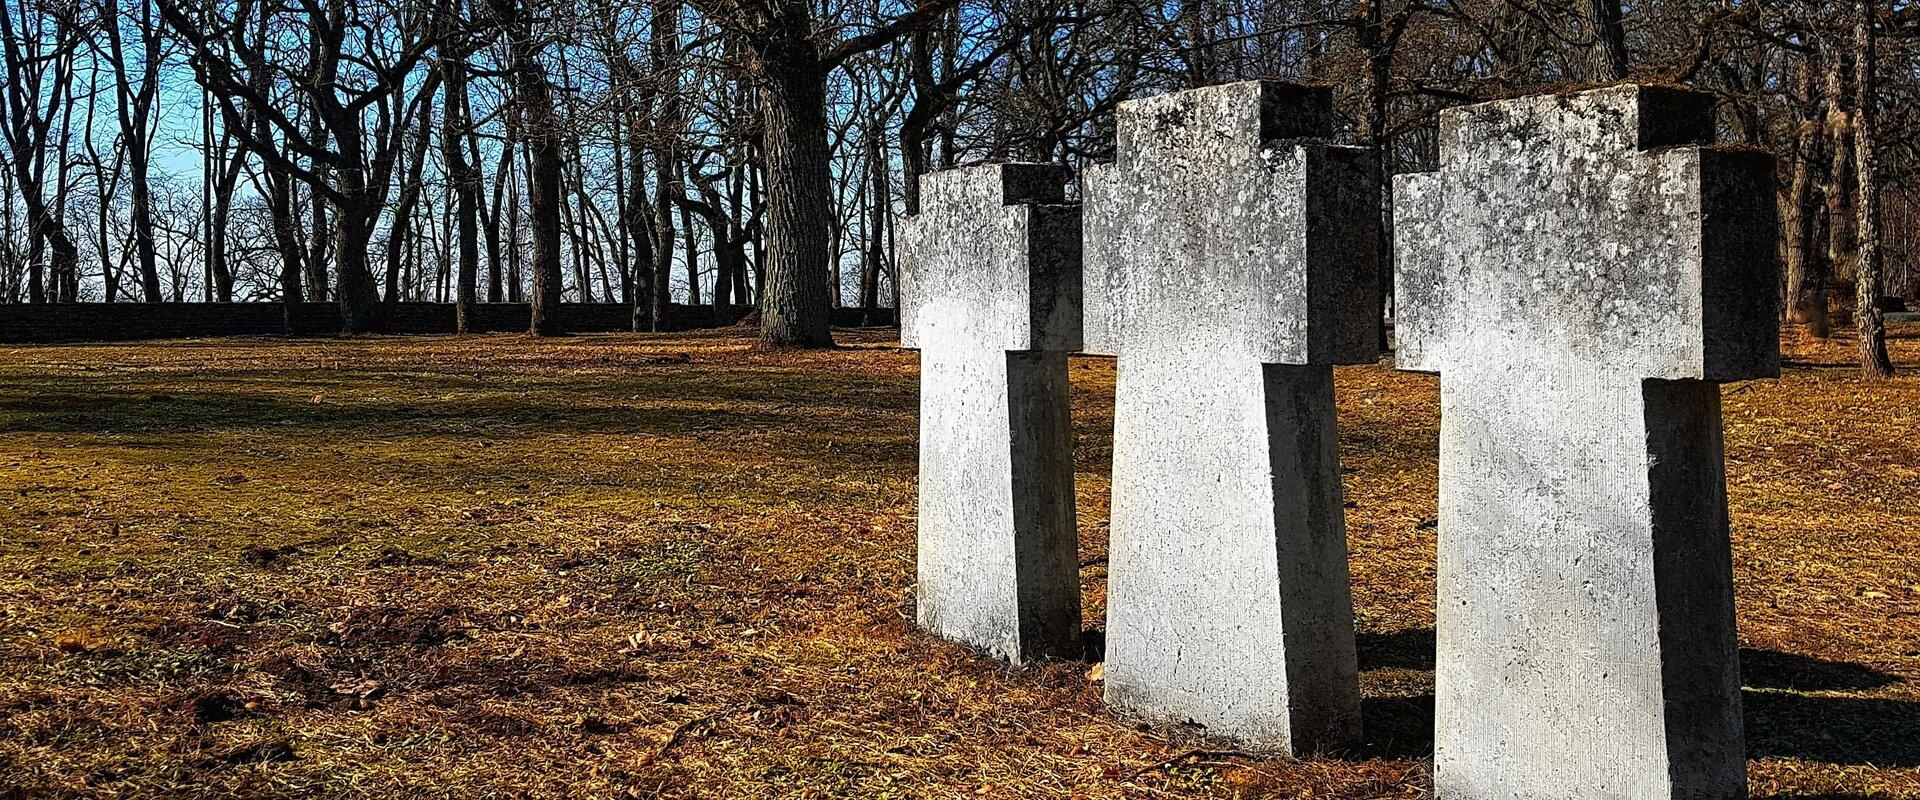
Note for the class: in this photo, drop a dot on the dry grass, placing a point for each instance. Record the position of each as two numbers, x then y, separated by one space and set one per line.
628 567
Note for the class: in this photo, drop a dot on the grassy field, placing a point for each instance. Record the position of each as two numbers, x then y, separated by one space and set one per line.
627 566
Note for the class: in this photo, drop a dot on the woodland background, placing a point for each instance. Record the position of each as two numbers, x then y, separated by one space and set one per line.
760 152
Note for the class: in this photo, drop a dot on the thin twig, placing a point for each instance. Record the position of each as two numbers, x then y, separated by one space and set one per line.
1194 754
681 731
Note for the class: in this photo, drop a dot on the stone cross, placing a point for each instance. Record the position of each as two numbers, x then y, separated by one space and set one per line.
991 271
1231 261
1581 271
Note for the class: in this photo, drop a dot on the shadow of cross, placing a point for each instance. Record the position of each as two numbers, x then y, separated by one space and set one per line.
991 286
1581 271
1231 261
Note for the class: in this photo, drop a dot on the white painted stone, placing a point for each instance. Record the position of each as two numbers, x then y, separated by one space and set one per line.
1580 271
1230 263
991 283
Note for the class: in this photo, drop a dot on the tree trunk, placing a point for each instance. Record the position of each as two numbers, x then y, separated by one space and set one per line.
280 206
794 303
739 231
1806 289
361 198
876 226
142 210
724 259
1842 190
1609 40
913 164
540 128
109 272
1868 283
63 253
1379 45
317 237
668 187
26 137
638 214
1806 281
543 210
209 156
359 298
514 282
135 111
726 237
915 149
892 265
280 210
36 266
623 235
836 243
400 233
692 257
217 261
496 217
465 177
591 258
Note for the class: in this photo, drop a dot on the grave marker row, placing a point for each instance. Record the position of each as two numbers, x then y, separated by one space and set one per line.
1581 270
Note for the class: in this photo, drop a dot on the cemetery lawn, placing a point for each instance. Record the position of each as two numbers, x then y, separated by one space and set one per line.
632 566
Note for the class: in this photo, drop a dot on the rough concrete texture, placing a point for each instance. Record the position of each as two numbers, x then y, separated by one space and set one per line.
1580 271
991 283
1231 261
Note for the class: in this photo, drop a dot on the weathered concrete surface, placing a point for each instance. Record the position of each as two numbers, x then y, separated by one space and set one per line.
1581 270
1230 264
991 289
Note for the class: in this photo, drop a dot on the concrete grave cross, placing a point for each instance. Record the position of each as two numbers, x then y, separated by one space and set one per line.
991 286
1231 262
1581 271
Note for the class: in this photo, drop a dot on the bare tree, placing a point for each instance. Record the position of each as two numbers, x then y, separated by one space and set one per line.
358 60
39 56
1806 290
462 173
634 103
668 186
135 110
788 57
400 233
879 200
540 132
1867 278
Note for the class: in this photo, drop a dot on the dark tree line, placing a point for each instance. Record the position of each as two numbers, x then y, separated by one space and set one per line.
757 153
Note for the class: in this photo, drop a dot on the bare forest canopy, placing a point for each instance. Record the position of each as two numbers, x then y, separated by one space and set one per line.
760 152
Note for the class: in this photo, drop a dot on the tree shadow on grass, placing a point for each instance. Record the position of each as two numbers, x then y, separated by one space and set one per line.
1781 721
1411 648
123 412
1771 669
1396 728
402 402
1862 731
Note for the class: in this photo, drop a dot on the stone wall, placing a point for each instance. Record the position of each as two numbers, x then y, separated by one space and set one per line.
85 322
